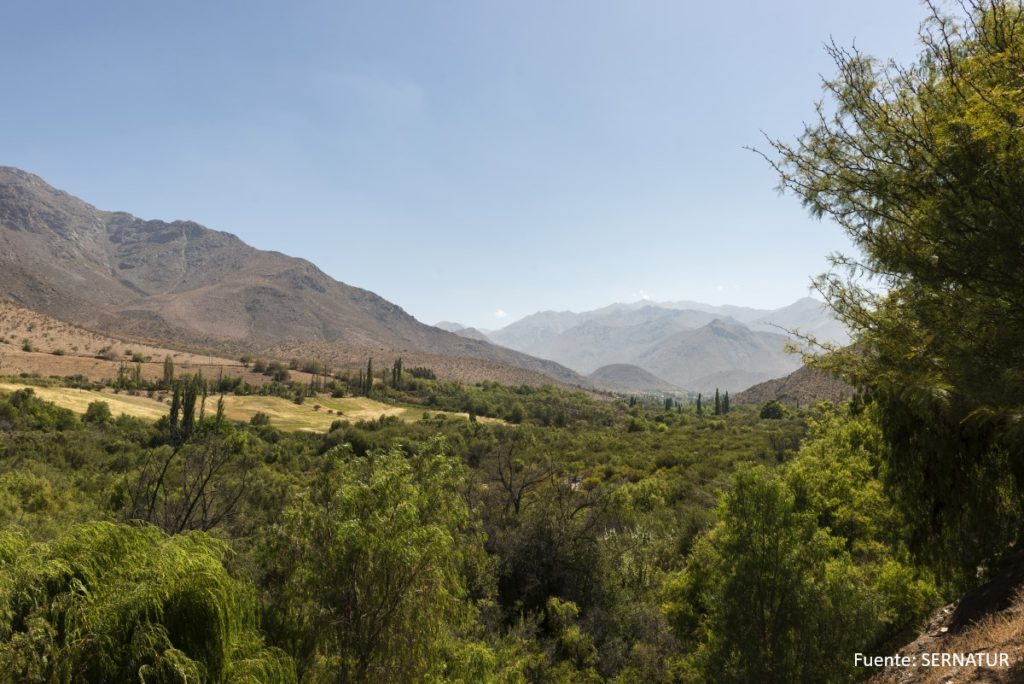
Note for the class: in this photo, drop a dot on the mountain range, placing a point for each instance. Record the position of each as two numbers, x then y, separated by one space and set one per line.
683 345
183 283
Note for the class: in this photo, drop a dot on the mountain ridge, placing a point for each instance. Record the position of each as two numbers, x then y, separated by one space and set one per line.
181 281
660 338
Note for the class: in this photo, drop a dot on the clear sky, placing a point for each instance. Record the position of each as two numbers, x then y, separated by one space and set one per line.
469 160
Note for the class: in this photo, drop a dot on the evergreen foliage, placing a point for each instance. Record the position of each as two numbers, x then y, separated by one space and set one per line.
923 167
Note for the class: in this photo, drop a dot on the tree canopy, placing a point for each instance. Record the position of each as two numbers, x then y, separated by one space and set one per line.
923 166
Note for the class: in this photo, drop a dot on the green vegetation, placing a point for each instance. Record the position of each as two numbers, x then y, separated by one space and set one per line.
922 167
454 551
572 539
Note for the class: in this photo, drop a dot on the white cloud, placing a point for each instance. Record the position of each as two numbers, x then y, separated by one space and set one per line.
500 313
642 295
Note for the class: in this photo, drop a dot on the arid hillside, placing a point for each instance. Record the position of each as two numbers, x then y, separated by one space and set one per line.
802 387
183 284
56 348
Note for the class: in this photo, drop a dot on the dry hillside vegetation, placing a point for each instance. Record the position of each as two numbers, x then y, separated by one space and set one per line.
184 284
802 387
61 349
997 633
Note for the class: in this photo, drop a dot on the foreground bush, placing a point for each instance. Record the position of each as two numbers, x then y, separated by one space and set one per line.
119 603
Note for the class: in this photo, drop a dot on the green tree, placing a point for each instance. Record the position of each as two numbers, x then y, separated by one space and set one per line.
364 571
118 603
769 595
97 413
396 374
923 167
168 378
773 410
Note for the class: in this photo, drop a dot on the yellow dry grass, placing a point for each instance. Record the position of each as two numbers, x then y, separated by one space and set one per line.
284 414
78 400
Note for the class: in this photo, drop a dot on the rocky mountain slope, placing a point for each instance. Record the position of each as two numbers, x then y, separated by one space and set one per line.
802 387
181 282
630 379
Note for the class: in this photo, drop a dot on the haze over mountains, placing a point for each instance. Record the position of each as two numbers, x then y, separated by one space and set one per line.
180 282
682 345
186 284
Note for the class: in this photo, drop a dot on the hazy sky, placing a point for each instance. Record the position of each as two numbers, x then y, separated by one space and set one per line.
470 161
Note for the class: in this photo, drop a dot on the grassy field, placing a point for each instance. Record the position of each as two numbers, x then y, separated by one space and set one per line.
284 414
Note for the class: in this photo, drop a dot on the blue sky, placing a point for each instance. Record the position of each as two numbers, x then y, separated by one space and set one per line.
470 161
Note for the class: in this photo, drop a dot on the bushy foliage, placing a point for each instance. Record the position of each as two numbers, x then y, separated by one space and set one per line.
922 165
116 603
803 567
364 572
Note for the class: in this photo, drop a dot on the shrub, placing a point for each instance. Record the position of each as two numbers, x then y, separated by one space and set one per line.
773 410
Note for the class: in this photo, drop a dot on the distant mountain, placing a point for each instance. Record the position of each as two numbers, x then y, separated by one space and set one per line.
463 331
473 334
745 347
450 326
182 283
536 328
723 354
617 337
624 377
808 317
802 387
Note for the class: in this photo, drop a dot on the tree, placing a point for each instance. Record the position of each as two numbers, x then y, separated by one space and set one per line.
806 561
168 378
119 603
773 410
365 570
97 413
700 409
725 403
396 374
718 403
923 167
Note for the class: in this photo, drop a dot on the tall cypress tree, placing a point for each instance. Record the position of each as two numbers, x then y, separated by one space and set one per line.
718 403
168 371
700 409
